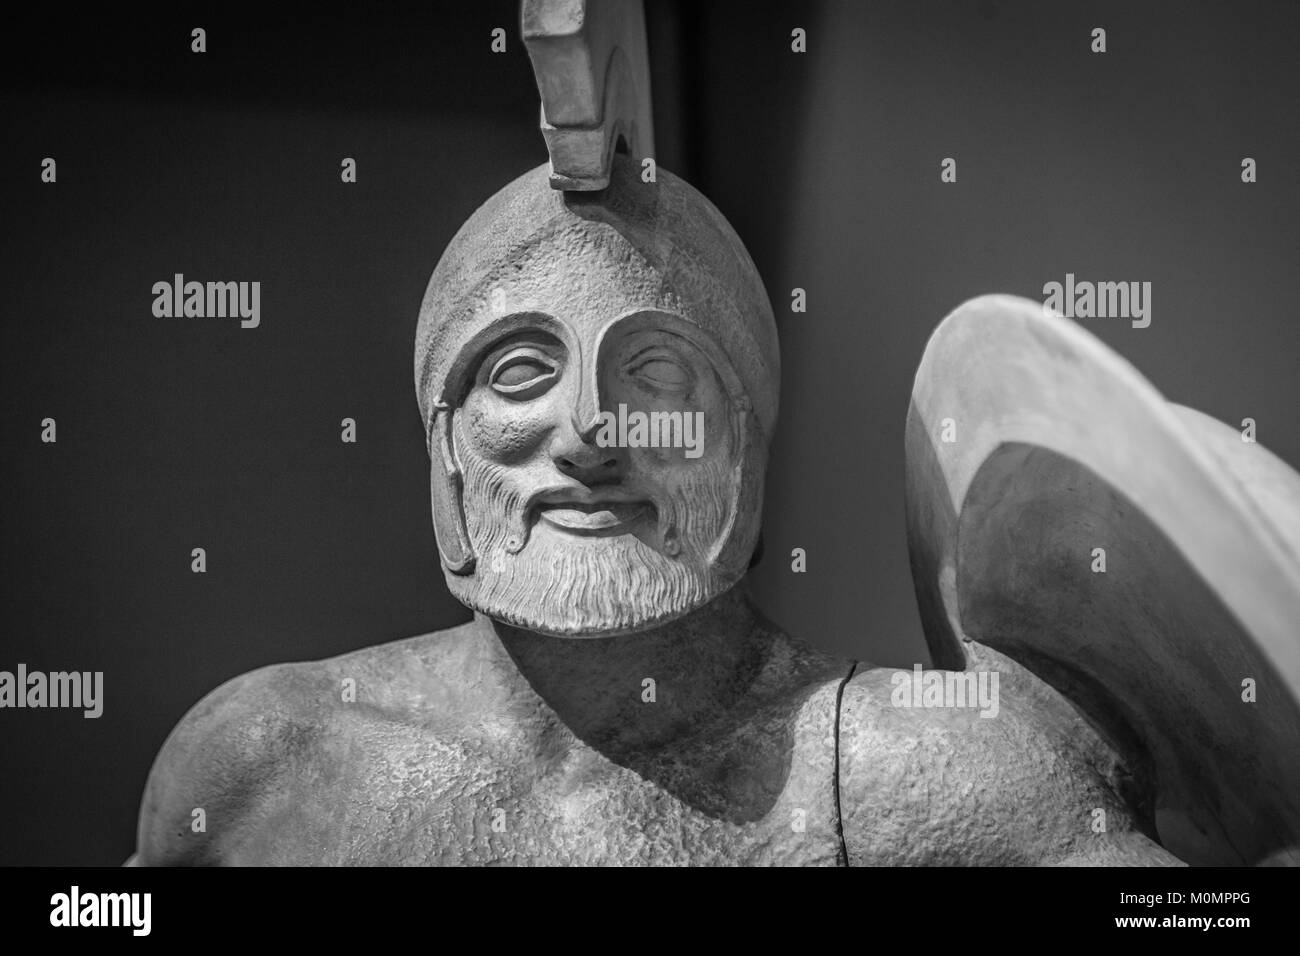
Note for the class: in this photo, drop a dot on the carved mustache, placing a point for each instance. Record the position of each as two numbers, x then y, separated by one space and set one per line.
576 495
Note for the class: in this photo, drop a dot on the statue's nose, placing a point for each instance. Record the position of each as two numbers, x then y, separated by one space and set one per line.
577 455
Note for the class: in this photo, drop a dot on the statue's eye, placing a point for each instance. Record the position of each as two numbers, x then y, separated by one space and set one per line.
660 372
523 373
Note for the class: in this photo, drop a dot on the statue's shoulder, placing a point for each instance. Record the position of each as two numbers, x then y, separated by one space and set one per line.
228 753
989 765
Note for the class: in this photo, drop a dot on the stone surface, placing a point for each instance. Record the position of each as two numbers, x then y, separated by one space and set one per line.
593 74
453 731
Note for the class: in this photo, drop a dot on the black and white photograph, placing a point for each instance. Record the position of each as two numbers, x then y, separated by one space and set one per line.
648 433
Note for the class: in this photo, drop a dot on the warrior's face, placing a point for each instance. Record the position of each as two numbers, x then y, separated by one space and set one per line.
586 523
598 374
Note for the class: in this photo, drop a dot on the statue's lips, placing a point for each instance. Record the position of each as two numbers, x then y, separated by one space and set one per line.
592 517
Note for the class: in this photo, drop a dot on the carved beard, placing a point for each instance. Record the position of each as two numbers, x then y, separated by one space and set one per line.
574 586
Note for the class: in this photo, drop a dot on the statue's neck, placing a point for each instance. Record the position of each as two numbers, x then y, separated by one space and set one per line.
599 687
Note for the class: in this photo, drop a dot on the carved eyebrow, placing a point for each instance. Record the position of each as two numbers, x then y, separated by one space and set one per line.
662 350
546 345
680 378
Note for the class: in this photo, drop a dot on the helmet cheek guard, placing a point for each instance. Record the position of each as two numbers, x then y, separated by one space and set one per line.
447 491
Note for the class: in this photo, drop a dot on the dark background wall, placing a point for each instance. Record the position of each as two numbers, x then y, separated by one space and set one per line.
183 433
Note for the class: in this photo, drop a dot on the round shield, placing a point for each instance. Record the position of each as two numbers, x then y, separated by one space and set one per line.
1139 556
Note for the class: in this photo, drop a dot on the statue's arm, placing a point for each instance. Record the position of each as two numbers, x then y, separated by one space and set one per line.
211 768
1032 784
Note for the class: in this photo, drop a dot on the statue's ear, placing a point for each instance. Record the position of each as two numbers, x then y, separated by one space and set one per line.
446 488
757 556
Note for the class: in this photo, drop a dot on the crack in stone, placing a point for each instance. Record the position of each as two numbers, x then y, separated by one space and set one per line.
839 813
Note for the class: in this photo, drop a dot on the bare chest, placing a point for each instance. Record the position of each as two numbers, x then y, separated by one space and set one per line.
376 793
